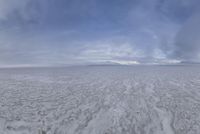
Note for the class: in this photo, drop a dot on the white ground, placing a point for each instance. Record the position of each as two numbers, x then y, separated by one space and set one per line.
100 100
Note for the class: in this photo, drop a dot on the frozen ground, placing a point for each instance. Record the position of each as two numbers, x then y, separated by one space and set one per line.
100 100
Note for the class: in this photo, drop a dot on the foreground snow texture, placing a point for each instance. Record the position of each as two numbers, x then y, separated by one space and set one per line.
100 100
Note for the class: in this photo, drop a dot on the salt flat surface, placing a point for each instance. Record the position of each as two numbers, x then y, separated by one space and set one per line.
100 100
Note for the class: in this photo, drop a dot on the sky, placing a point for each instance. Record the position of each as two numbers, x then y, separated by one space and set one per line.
77 32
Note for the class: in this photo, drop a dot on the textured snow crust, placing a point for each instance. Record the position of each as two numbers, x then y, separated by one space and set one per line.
100 100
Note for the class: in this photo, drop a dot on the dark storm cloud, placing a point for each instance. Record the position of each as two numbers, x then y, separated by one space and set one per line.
79 32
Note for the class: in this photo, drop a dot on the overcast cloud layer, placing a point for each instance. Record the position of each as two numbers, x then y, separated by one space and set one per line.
67 32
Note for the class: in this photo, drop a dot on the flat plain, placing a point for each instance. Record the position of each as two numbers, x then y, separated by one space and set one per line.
100 100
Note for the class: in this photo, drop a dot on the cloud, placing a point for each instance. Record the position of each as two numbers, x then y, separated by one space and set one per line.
53 32
9 6
187 40
107 50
